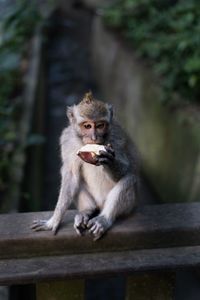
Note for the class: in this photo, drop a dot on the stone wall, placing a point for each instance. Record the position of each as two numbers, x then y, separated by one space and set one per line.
167 138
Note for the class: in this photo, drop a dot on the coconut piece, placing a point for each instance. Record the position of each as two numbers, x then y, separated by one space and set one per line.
89 152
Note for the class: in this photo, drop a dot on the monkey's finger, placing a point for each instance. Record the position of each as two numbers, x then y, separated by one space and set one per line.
105 154
41 222
98 233
97 236
104 161
80 226
85 221
98 230
109 149
93 228
80 221
34 226
90 224
39 228
80 231
38 225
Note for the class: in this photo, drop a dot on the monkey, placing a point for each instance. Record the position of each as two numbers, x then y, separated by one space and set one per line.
104 191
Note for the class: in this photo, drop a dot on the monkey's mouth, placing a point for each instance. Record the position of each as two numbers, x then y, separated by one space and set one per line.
95 142
90 152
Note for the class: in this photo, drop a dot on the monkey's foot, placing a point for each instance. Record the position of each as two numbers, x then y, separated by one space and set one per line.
98 226
80 222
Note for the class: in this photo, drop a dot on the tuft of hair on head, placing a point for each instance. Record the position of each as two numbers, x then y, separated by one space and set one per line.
88 98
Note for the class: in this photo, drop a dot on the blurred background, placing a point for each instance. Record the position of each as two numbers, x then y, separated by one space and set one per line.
142 56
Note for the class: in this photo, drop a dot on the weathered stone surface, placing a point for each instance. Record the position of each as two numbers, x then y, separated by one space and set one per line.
154 238
30 270
153 226
168 139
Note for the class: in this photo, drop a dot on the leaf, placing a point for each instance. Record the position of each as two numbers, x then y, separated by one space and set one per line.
192 81
192 64
168 34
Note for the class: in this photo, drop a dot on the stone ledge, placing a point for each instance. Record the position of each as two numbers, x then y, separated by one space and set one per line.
154 238
150 227
37 269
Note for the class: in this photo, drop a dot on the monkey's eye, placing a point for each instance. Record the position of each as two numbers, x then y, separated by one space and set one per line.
87 126
100 125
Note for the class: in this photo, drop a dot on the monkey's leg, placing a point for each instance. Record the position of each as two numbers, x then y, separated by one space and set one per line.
120 201
86 207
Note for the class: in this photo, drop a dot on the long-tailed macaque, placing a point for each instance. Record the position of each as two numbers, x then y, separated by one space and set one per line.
104 191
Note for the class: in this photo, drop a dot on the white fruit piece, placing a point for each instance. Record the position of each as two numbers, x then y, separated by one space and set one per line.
89 152
94 148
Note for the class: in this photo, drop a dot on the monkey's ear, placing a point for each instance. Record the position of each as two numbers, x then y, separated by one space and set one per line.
70 113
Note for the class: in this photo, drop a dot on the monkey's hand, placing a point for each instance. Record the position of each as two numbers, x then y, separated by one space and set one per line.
80 222
40 225
98 226
106 157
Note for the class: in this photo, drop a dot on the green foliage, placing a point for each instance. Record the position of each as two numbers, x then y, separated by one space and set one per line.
166 32
16 27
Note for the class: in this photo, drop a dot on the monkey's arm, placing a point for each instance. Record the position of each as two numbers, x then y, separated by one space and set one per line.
69 187
70 175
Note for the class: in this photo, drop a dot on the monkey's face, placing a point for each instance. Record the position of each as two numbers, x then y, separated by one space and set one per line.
93 132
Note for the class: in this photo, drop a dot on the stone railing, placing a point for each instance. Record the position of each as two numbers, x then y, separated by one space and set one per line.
147 248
